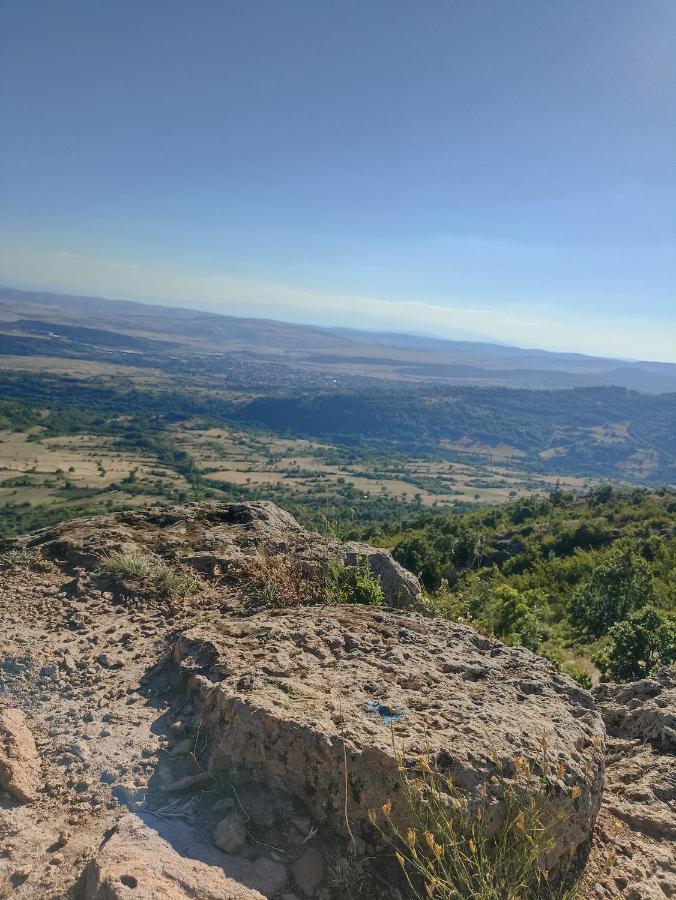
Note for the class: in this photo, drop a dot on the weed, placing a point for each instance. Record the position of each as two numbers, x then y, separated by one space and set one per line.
159 576
352 584
21 559
455 848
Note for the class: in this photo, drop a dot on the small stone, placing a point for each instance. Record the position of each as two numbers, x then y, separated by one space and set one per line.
68 663
308 871
230 834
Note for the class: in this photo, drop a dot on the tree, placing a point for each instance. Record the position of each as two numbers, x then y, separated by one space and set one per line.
516 622
639 645
619 585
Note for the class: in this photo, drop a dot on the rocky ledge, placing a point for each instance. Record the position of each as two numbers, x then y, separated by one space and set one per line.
321 699
203 724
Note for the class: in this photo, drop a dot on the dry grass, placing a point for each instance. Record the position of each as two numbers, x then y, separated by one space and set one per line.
456 849
278 582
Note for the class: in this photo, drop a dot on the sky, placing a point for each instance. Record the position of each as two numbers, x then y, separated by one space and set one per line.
499 168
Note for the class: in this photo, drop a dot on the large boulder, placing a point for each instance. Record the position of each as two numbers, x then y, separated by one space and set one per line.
644 709
19 758
323 696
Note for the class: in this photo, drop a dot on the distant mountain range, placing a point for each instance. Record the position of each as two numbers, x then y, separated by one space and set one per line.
41 323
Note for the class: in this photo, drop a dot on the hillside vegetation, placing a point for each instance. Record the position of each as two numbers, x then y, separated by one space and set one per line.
589 582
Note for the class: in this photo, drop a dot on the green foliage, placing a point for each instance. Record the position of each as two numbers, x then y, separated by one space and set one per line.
353 584
555 574
639 645
517 621
620 584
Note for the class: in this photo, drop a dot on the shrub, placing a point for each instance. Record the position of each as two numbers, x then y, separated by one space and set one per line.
641 644
620 584
516 621
353 584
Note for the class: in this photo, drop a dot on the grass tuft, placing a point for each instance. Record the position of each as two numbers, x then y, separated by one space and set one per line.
453 849
21 559
164 579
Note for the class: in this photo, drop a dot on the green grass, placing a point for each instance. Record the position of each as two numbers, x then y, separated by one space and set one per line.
172 582
20 559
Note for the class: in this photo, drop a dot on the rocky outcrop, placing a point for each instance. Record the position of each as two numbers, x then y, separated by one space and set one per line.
224 542
323 695
637 826
644 710
19 758
228 742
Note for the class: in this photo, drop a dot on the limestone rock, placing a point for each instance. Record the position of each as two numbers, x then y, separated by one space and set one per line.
357 675
230 834
151 860
19 758
637 825
644 709
217 539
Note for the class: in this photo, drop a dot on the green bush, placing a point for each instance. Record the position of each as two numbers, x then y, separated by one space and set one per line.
619 585
353 584
639 645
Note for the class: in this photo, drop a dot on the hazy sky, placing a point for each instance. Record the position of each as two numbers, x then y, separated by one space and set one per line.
495 166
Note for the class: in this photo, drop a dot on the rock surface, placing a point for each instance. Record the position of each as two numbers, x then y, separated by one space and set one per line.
19 758
297 693
230 540
140 862
127 694
638 821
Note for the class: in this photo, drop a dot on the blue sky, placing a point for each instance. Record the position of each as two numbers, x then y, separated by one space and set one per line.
501 168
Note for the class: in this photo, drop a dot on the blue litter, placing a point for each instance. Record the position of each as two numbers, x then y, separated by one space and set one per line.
387 713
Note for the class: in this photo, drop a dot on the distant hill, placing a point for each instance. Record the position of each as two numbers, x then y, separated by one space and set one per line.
42 323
